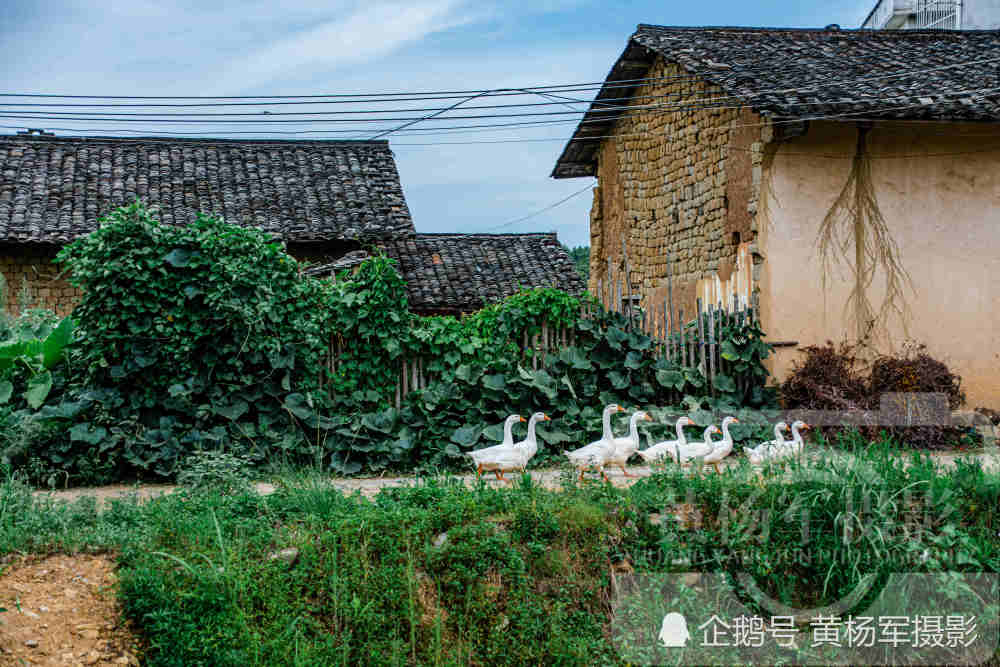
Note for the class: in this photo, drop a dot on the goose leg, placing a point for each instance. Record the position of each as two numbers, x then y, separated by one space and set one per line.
499 475
604 475
479 471
626 472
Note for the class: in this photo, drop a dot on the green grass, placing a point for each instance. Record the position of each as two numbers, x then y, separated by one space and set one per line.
523 576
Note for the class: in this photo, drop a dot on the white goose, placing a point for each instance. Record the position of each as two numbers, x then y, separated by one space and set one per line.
528 447
684 454
660 449
796 444
724 447
495 457
772 450
625 447
595 455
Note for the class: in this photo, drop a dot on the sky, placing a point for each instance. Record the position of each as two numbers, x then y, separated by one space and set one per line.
454 182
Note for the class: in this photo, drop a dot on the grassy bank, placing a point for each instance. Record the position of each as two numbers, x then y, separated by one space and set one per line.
438 574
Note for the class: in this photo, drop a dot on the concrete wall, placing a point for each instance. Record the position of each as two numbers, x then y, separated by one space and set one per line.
938 187
682 181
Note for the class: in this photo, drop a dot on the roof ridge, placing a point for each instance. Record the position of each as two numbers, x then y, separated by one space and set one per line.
890 34
194 140
488 234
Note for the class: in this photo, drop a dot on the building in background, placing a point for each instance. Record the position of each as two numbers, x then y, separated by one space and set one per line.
720 152
934 15
329 202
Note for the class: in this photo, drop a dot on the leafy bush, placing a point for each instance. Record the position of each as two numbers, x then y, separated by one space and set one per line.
195 335
219 471
207 337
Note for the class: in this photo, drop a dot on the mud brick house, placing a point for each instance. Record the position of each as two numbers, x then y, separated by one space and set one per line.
328 201
725 149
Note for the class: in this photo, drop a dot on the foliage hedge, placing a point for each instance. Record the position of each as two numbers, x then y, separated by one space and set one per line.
207 337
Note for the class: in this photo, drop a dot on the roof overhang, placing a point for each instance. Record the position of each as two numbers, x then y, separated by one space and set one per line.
579 157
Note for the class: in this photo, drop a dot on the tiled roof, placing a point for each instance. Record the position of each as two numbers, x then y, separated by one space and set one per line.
54 189
464 272
941 75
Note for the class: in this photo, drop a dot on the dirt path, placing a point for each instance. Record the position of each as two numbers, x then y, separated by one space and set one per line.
61 610
370 486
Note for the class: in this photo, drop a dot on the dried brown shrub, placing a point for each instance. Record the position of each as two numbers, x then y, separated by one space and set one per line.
835 378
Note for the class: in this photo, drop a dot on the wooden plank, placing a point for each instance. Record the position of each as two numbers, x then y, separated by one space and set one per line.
711 347
670 285
611 288
701 340
628 281
398 397
683 356
600 289
545 339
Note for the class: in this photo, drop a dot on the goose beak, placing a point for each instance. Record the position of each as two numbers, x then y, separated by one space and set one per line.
546 418
620 409
736 421
648 418
522 419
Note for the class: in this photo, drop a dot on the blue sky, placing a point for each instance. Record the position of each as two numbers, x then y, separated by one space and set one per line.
247 47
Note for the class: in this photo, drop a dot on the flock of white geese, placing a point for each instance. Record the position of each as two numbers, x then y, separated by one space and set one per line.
510 456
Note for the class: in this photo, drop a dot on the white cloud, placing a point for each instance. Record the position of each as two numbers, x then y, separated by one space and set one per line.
371 31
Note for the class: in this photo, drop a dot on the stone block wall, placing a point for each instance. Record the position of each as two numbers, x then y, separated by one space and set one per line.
30 276
684 181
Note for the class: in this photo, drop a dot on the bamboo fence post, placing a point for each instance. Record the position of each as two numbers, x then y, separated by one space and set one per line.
711 348
683 351
600 289
545 339
628 282
670 286
666 334
670 334
701 340
406 386
611 288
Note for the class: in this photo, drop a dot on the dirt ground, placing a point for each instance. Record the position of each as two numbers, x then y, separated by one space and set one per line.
370 486
61 610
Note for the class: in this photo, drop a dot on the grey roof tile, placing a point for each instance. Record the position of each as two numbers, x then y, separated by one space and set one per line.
54 189
464 272
787 73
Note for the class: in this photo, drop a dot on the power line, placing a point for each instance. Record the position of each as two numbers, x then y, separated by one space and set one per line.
539 212
495 126
333 96
411 96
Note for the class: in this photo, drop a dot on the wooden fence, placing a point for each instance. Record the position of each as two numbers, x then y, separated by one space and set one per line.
692 342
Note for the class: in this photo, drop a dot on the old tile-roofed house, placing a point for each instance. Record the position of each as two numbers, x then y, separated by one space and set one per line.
327 200
719 151
456 273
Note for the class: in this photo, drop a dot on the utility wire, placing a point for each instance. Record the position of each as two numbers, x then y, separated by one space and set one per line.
493 127
521 91
540 211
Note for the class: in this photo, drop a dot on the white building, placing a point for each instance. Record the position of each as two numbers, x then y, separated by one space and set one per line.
934 14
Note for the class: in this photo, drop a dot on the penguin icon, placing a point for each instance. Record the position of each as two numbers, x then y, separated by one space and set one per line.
674 631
